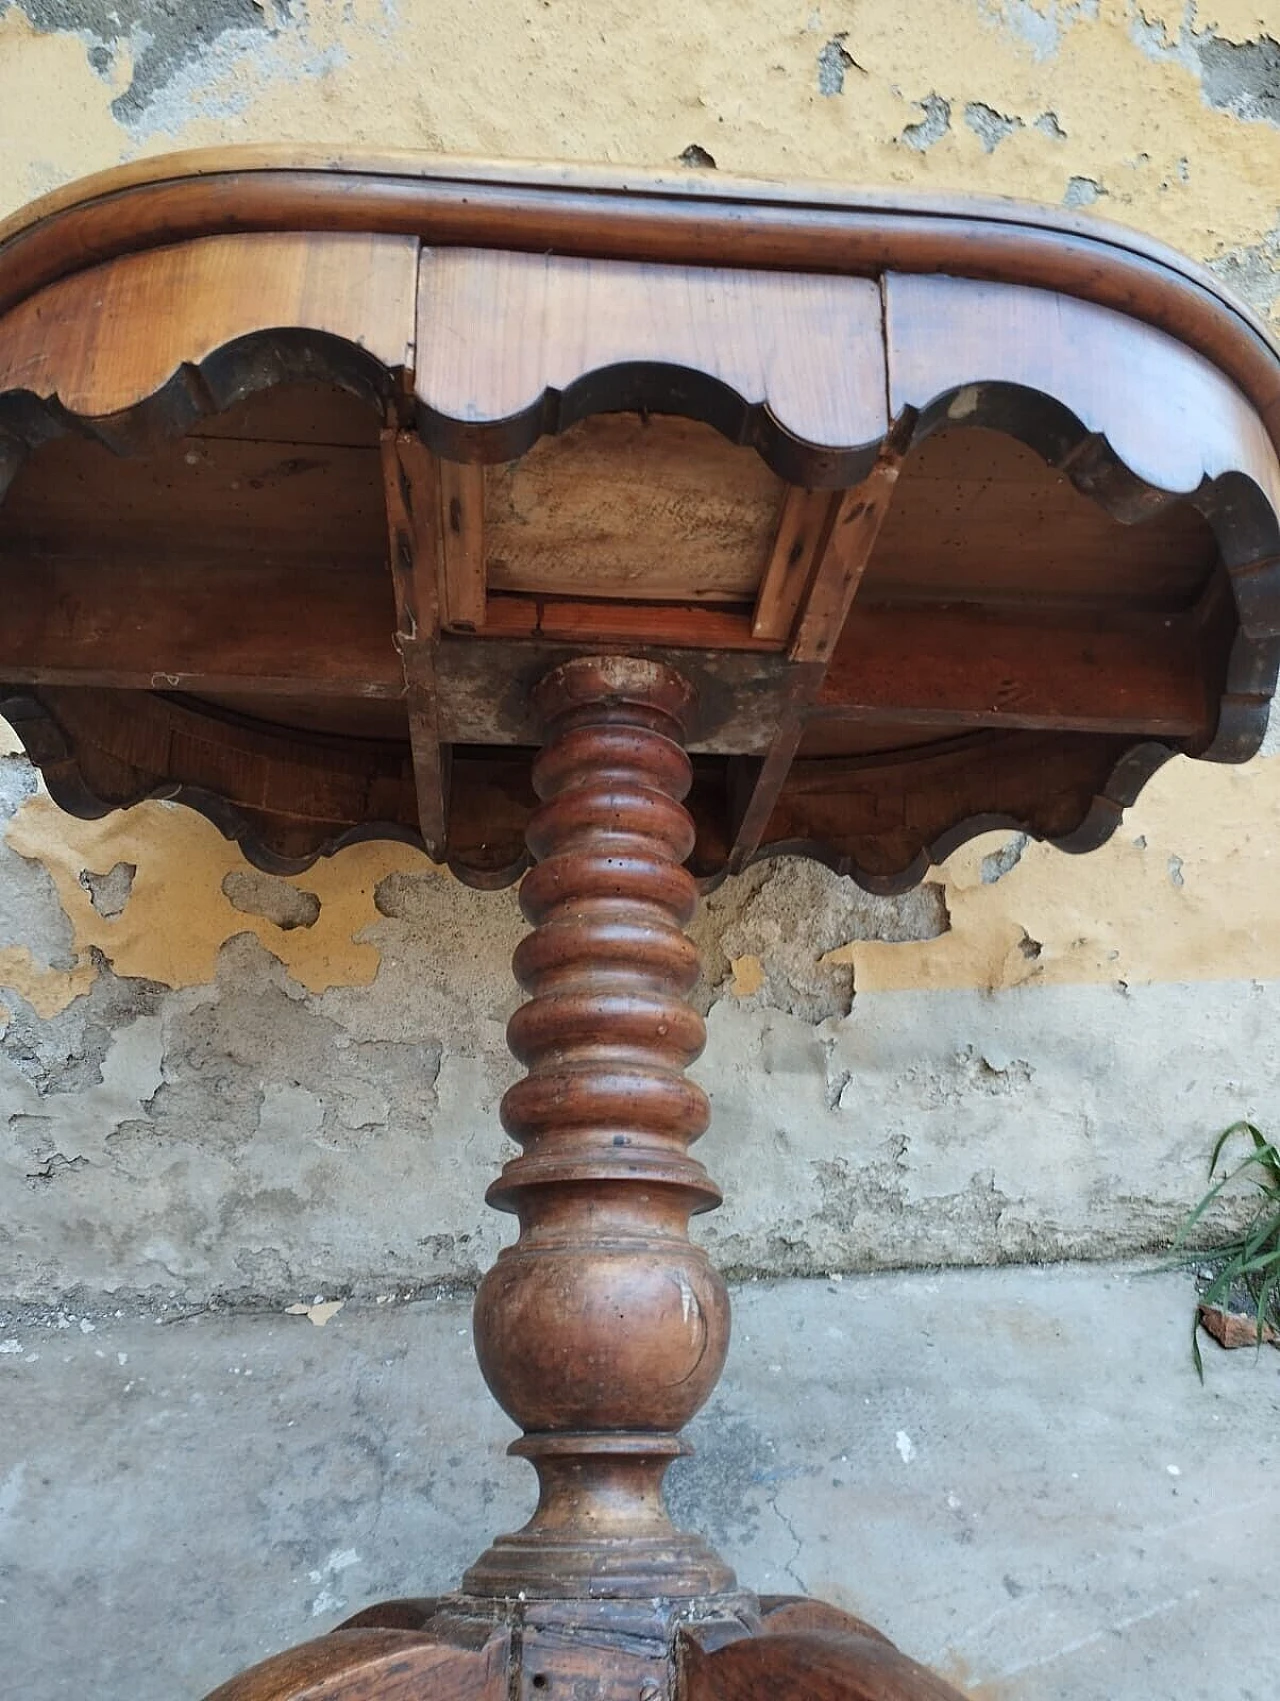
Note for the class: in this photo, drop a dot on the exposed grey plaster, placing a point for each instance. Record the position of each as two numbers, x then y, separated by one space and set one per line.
988 125
46 1131
1038 25
998 864
932 127
696 157
109 892
833 61
789 913
1242 78
248 1139
1082 192
25 888
278 901
1253 272
162 36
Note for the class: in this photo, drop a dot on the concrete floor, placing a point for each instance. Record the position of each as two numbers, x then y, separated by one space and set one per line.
1013 1471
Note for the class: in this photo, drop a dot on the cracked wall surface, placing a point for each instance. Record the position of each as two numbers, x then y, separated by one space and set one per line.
216 1082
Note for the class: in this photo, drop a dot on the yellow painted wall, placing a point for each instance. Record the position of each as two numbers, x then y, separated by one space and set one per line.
1165 116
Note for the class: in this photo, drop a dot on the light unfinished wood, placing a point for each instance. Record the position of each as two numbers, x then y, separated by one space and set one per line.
802 527
843 553
498 332
109 338
626 505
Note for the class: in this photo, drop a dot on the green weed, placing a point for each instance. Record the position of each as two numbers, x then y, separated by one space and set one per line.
1248 1260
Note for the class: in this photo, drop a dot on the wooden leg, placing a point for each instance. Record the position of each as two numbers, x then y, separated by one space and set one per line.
803 1651
604 1328
376 1665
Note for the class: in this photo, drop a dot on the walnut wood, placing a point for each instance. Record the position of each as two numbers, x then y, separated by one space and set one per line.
512 345
808 1665
603 1329
803 526
126 330
1036 340
598 214
414 519
375 1665
853 524
291 631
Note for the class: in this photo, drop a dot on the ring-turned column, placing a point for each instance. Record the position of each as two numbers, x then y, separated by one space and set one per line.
604 1329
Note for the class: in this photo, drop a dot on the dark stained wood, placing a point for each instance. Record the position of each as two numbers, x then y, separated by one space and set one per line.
604 1329
375 1665
808 1666
886 818
414 519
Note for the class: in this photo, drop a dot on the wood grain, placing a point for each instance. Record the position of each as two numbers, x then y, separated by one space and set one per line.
463 578
803 528
107 339
603 1329
809 1666
513 345
415 521
954 339
673 219
374 1665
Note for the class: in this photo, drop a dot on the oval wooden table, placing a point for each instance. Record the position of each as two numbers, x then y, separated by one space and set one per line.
620 530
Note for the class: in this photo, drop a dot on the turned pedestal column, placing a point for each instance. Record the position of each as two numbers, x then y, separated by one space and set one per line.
603 1329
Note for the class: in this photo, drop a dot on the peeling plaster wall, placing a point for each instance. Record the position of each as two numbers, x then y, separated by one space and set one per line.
213 1082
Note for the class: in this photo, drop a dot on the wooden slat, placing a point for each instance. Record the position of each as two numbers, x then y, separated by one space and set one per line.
462 581
803 525
109 338
414 521
1168 415
498 332
225 627
693 626
197 623
315 505
843 553
966 667
845 538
